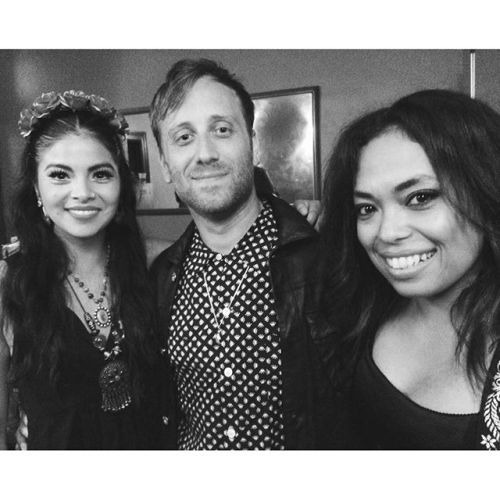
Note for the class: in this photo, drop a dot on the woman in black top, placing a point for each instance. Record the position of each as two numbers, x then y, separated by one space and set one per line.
412 282
75 298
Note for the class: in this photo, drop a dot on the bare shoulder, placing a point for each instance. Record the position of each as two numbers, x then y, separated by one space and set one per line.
154 247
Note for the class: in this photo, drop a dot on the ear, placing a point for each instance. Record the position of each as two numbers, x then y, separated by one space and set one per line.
255 149
37 192
165 169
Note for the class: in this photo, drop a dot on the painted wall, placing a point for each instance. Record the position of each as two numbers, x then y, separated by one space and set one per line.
488 77
351 82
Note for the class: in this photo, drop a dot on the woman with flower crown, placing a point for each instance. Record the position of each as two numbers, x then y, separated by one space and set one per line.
75 298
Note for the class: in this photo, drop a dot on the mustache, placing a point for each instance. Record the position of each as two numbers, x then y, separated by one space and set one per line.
207 170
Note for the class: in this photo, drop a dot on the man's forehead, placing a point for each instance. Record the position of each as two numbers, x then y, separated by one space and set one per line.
205 99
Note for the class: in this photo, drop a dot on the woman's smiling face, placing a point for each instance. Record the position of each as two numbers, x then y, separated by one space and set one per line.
406 225
79 185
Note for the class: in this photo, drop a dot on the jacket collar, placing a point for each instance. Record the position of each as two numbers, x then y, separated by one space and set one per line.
291 225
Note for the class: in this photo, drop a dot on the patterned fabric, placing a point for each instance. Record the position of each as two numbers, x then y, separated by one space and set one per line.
489 431
229 379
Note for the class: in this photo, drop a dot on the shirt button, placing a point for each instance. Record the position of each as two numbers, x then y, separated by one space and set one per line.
165 420
228 371
231 433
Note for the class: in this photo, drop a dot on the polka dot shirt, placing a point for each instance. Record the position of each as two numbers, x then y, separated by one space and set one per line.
224 345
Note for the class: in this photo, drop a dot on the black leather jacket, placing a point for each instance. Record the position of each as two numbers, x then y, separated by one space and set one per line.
308 396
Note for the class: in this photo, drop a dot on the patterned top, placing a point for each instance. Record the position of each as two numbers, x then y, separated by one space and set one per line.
489 430
224 345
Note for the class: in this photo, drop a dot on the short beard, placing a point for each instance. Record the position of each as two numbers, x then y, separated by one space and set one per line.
224 210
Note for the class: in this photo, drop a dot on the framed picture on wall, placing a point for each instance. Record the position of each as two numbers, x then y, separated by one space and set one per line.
155 196
287 135
138 157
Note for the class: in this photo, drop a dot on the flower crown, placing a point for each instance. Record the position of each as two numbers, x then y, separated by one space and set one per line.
74 100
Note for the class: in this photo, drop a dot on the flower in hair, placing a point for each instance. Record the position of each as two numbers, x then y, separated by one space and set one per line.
45 103
98 102
74 100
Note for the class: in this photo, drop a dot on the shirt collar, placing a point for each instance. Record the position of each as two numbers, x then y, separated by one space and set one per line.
260 239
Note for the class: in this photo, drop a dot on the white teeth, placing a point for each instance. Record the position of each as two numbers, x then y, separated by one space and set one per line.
409 260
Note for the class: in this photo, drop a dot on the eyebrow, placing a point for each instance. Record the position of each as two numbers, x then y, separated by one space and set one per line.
221 117
189 124
92 168
400 187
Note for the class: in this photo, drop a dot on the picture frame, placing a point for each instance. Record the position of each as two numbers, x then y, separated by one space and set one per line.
155 196
286 128
138 157
287 149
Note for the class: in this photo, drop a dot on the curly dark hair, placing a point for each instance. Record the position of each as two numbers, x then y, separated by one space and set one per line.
34 297
461 138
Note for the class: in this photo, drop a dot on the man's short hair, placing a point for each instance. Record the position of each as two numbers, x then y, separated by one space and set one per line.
179 80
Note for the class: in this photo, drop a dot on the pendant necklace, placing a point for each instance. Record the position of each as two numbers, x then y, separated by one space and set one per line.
102 315
226 310
114 380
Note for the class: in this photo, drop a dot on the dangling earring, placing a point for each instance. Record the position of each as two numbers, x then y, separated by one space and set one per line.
46 217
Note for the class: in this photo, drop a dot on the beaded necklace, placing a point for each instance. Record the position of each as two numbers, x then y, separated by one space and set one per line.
102 314
114 379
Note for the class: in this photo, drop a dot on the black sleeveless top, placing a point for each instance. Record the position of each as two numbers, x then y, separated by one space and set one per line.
387 419
70 416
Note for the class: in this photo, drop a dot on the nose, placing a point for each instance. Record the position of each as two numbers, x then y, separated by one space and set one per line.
393 226
82 190
207 150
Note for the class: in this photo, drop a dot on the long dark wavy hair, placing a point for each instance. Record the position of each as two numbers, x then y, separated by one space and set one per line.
461 138
34 296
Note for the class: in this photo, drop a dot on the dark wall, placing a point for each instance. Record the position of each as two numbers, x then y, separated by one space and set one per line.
351 82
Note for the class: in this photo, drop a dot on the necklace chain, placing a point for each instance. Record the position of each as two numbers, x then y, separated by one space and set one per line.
102 315
114 377
226 310
98 299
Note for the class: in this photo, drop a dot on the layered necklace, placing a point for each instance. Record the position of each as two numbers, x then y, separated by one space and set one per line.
114 380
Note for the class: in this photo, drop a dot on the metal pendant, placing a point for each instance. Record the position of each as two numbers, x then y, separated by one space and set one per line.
115 386
226 311
102 316
99 341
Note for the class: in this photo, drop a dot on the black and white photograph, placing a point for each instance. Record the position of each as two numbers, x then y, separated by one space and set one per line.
283 249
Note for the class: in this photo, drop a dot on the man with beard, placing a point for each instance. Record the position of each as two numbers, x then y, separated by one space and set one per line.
237 292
